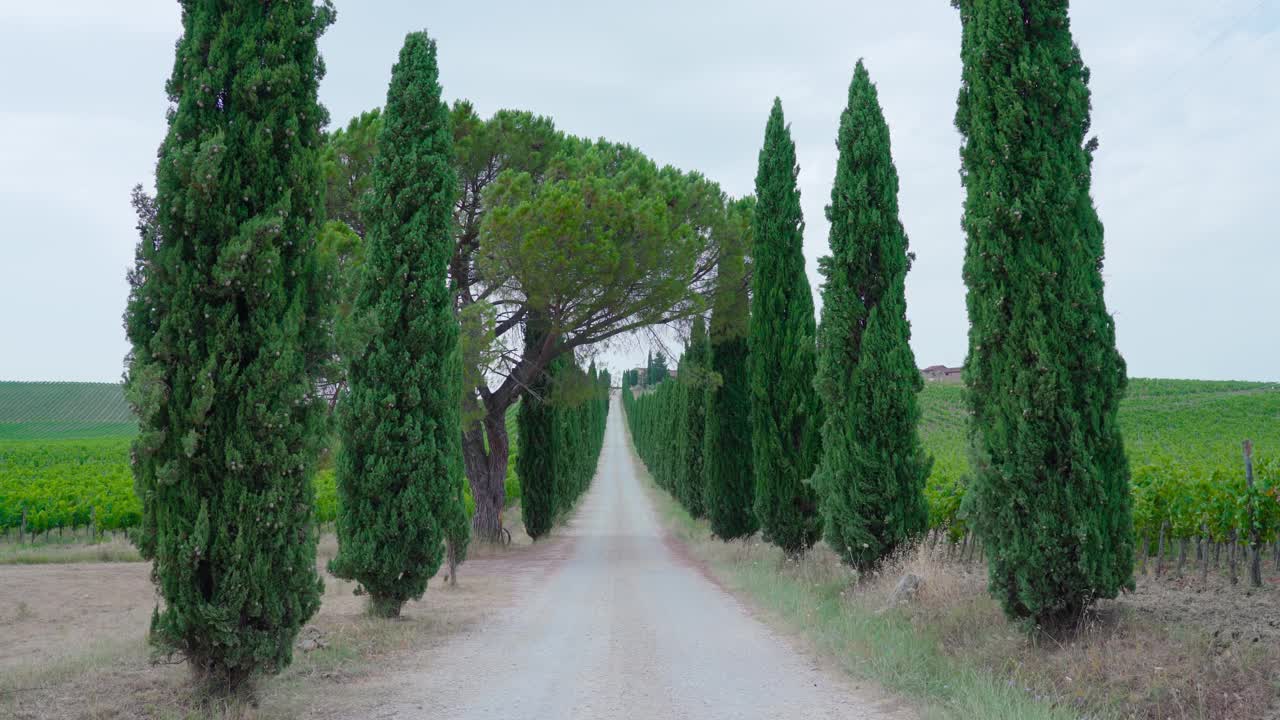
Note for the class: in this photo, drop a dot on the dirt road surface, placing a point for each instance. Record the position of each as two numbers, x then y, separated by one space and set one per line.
623 627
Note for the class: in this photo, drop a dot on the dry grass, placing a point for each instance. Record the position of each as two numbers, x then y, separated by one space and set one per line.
952 649
72 675
1120 659
112 550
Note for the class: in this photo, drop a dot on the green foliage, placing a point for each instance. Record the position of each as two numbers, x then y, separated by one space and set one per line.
690 442
400 461
561 432
1182 438
67 484
658 370
347 161
605 230
580 403
785 413
872 473
1051 482
536 464
729 483
591 234
655 418
225 322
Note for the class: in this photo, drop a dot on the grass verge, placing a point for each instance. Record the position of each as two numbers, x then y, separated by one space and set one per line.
954 654
812 599
114 550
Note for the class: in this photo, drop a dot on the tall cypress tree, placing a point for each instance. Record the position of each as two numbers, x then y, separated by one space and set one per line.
401 427
729 483
1051 482
693 371
535 466
785 413
872 473
227 338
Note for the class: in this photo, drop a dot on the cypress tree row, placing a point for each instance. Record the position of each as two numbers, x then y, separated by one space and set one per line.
693 371
872 472
535 466
1051 482
400 422
581 408
728 481
561 424
785 413
654 418
227 339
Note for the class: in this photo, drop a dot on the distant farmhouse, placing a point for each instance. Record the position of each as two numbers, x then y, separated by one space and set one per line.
942 373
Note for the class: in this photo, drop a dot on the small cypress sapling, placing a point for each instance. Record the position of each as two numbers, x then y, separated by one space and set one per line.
872 472
401 426
785 413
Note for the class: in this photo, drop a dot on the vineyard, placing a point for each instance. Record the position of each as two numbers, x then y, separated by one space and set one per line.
1184 440
40 411
64 461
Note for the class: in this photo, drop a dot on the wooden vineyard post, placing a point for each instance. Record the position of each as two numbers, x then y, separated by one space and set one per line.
22 528
1255 554
1204 553
1232 555
1164 527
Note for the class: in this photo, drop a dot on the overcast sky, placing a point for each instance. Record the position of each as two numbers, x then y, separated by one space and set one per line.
1184 91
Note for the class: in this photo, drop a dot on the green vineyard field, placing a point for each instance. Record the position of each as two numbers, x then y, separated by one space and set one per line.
64 451
64 459
1184 440
50 410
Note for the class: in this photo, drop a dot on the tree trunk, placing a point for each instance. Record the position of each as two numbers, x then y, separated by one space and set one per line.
487 472
451 554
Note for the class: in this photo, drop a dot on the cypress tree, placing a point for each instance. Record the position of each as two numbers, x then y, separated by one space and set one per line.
693 377
535 465
226 327
785 414
872 473
1051 483
729 483
401 427
565 434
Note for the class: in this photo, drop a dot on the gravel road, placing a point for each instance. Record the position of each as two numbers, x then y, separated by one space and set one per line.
623 628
